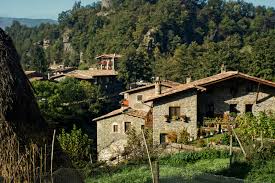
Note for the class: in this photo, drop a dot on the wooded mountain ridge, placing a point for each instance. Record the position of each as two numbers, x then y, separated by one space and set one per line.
173 39
8 21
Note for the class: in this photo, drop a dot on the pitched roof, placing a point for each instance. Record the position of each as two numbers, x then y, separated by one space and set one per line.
90 74
128 111
211 80
166 83
30 72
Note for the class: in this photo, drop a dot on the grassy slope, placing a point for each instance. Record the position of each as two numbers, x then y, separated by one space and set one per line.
140 174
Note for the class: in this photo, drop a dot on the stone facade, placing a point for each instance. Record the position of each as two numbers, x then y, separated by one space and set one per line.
238 92
173 110
110 143
187 101
146 93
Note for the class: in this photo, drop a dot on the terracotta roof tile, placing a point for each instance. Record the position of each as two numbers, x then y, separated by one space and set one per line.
166 83
90 74
128 111
137 113
113 113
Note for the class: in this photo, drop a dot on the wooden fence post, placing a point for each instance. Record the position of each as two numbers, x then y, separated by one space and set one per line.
149 158
156 172
52 155
230 151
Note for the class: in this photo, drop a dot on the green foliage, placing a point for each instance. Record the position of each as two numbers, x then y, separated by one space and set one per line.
174 39
225 139
252 126
135 148
262 173
69 100
168 173
76 145
181 158
36 59
200 143
83 67
184 137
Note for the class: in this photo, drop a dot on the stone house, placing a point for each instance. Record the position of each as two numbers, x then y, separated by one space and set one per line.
185 106
112 127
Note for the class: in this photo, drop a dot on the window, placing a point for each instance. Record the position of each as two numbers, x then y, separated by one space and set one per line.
248 107
233 108
115 128
127 126
139 98
174 113
163 138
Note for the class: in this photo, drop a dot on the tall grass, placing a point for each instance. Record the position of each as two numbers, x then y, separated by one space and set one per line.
17 163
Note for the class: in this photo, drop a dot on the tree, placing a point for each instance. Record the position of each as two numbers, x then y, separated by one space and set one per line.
135 66
69 100
37 59
76 145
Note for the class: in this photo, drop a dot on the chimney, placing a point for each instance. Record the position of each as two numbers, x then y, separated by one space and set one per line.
188 80
157 86
223 68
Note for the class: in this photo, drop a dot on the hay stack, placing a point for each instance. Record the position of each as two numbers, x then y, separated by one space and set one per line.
17 102
22 126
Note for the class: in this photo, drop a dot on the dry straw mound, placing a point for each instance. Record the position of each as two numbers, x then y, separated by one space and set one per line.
17 102
25 141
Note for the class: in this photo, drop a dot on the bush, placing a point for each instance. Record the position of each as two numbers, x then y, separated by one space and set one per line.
225 139
83 66
76 145
184 137
135 148
172 137
262 173
181 158
200 143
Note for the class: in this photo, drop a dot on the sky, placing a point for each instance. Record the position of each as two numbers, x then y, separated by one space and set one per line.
51 8
37 8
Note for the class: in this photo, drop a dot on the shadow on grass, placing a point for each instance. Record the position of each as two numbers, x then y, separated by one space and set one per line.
203 178
237 169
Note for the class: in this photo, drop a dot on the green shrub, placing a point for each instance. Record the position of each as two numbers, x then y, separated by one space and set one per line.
184 137
225 139
182 158
200 143
262 173
83 66
76 145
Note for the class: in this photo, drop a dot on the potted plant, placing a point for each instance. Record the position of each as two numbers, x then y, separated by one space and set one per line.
167 118
183 117
175 118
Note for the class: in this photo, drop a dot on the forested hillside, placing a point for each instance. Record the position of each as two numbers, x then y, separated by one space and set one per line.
8 21
173 39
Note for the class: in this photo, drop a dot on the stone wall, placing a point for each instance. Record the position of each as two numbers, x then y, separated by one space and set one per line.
187 101
236 91
109 142
146 93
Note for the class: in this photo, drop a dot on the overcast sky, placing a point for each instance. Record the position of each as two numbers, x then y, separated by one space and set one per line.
51 8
